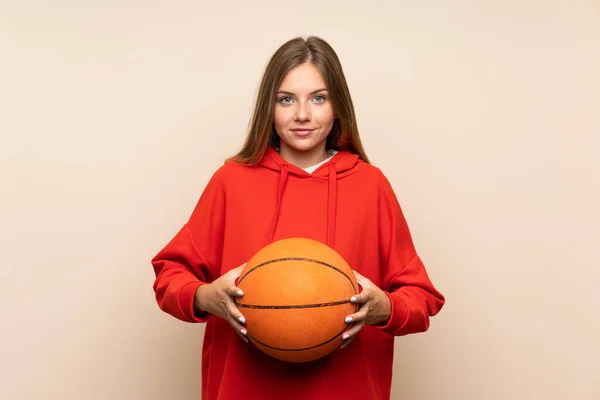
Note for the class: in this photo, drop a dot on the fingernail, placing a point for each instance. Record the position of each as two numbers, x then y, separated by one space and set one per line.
353 299
244 331
348 320
242 320
346 336
240 293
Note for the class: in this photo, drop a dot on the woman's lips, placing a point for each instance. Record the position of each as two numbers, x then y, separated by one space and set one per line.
302 132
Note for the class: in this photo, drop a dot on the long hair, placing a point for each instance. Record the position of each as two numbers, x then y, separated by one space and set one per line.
261 132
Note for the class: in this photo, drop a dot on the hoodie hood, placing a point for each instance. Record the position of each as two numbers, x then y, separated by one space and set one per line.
343 161
342 164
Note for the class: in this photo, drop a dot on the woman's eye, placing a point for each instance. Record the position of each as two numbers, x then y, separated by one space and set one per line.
320 99
285 100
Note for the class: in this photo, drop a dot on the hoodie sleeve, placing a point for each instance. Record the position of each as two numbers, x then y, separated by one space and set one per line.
405 281
193 256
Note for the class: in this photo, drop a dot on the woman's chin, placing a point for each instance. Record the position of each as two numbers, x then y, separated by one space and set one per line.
303 145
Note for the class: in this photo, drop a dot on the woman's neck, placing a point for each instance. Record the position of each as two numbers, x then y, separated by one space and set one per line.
303 159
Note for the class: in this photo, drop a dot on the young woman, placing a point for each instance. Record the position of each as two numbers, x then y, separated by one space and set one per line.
302 172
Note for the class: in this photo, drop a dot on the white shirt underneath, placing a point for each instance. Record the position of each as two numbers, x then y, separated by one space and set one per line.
312 169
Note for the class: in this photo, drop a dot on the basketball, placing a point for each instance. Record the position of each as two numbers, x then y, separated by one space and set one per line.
296 297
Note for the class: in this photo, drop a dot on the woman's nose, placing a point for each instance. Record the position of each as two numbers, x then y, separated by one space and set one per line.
303 113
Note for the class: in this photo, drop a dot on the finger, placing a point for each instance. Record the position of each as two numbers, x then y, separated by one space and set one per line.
244 338
358 275
238 270
240 330
234 274
234 291
360 279
361 297
241 267
235 313
347 342
350 333
358 316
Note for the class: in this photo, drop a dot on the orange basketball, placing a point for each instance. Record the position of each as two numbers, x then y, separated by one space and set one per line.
296 297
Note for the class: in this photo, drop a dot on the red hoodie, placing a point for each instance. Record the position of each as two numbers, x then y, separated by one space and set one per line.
347 204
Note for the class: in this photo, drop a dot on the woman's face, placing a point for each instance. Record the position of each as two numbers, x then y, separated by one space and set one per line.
303 115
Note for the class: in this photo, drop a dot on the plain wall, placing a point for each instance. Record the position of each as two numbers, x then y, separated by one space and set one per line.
485 116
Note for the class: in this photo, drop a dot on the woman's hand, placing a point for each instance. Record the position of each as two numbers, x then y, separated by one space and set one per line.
375 308
218 298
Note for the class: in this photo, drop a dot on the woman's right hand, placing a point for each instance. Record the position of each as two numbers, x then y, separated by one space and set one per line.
218 298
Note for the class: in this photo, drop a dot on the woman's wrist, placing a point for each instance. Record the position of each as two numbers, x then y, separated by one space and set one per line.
200 298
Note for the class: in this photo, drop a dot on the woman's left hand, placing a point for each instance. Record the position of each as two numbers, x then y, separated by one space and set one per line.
375 308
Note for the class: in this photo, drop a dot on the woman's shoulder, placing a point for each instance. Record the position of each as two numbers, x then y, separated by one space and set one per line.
372 173
230 167
374 179
230 171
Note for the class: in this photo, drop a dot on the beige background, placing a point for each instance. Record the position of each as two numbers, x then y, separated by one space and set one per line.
485 115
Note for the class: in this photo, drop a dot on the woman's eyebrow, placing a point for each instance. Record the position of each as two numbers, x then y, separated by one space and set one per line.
291 93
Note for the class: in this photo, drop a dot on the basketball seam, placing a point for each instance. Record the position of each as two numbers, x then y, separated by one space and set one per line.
279 307
297 259
301 349
299 306
305 348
